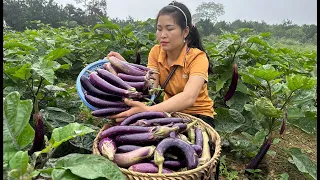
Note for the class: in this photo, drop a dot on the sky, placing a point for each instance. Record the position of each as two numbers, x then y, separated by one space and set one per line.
270 11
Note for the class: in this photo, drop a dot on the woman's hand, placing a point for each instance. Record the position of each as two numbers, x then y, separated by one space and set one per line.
115 54
136 107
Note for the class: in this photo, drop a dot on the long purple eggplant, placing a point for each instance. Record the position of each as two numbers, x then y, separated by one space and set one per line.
127 148
120 130
131 78
257 159
283 123
114 80
111 89
101 103
172 164
38 141
191 156
147 168
140 67
137 85
121 66
233 85
88 86
144 115
144 138
199 137
109 111
127 159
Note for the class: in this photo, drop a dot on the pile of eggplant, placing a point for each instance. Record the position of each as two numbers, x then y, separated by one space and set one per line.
156 142
106 87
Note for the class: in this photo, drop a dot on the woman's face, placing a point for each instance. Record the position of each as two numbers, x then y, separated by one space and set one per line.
169 34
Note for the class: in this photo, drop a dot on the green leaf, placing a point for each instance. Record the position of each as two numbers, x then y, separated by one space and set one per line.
56 54
63 134
228 120
297 81
265 107
303 163
23 72
64 174
248 78
284 176
45 70
257 40
57 117
90 166
20 162
223 45
54 88
17 132
238 101
308 123
221 81
266 72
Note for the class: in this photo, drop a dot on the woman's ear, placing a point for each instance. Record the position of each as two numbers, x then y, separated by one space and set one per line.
186 32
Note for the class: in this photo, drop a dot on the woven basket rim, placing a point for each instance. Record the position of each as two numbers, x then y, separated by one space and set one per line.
211 162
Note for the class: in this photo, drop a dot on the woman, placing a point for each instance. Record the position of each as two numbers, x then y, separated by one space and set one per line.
180 45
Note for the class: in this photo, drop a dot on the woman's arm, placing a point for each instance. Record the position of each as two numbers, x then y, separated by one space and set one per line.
183 100
176 103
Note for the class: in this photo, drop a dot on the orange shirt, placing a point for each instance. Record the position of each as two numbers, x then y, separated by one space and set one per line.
193 63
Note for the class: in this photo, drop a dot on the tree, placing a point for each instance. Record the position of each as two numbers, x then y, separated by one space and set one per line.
208 11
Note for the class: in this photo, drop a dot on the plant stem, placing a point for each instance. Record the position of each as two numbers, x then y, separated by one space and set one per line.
287 100
30 87
270 94
46 159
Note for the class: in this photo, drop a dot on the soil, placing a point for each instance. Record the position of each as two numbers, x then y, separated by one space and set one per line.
271 167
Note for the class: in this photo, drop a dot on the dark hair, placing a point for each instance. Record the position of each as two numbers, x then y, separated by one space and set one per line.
193 39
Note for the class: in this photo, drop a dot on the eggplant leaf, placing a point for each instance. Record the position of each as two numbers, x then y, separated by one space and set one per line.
90 166
63 134
17 132
265 72
303 163
228 120
19 164
300 82
265 107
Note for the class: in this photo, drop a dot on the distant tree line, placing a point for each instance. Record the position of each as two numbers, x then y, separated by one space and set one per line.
19 14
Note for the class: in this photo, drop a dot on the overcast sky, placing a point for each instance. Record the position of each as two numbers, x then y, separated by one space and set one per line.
271 11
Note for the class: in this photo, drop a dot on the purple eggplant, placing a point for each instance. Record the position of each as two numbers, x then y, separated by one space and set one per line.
131 78
120 130
283 123
38 141
257 159
171 164
109 111
121 66
137 85
199 138
127 148
144 138
111 89
127 159
147 168
144 115
107 148
233 85
101 103
198 149
88 86
191 156
114 80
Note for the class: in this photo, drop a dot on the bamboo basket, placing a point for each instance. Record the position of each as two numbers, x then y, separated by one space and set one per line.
203 172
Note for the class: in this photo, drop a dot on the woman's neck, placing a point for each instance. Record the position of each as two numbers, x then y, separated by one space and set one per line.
174 54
